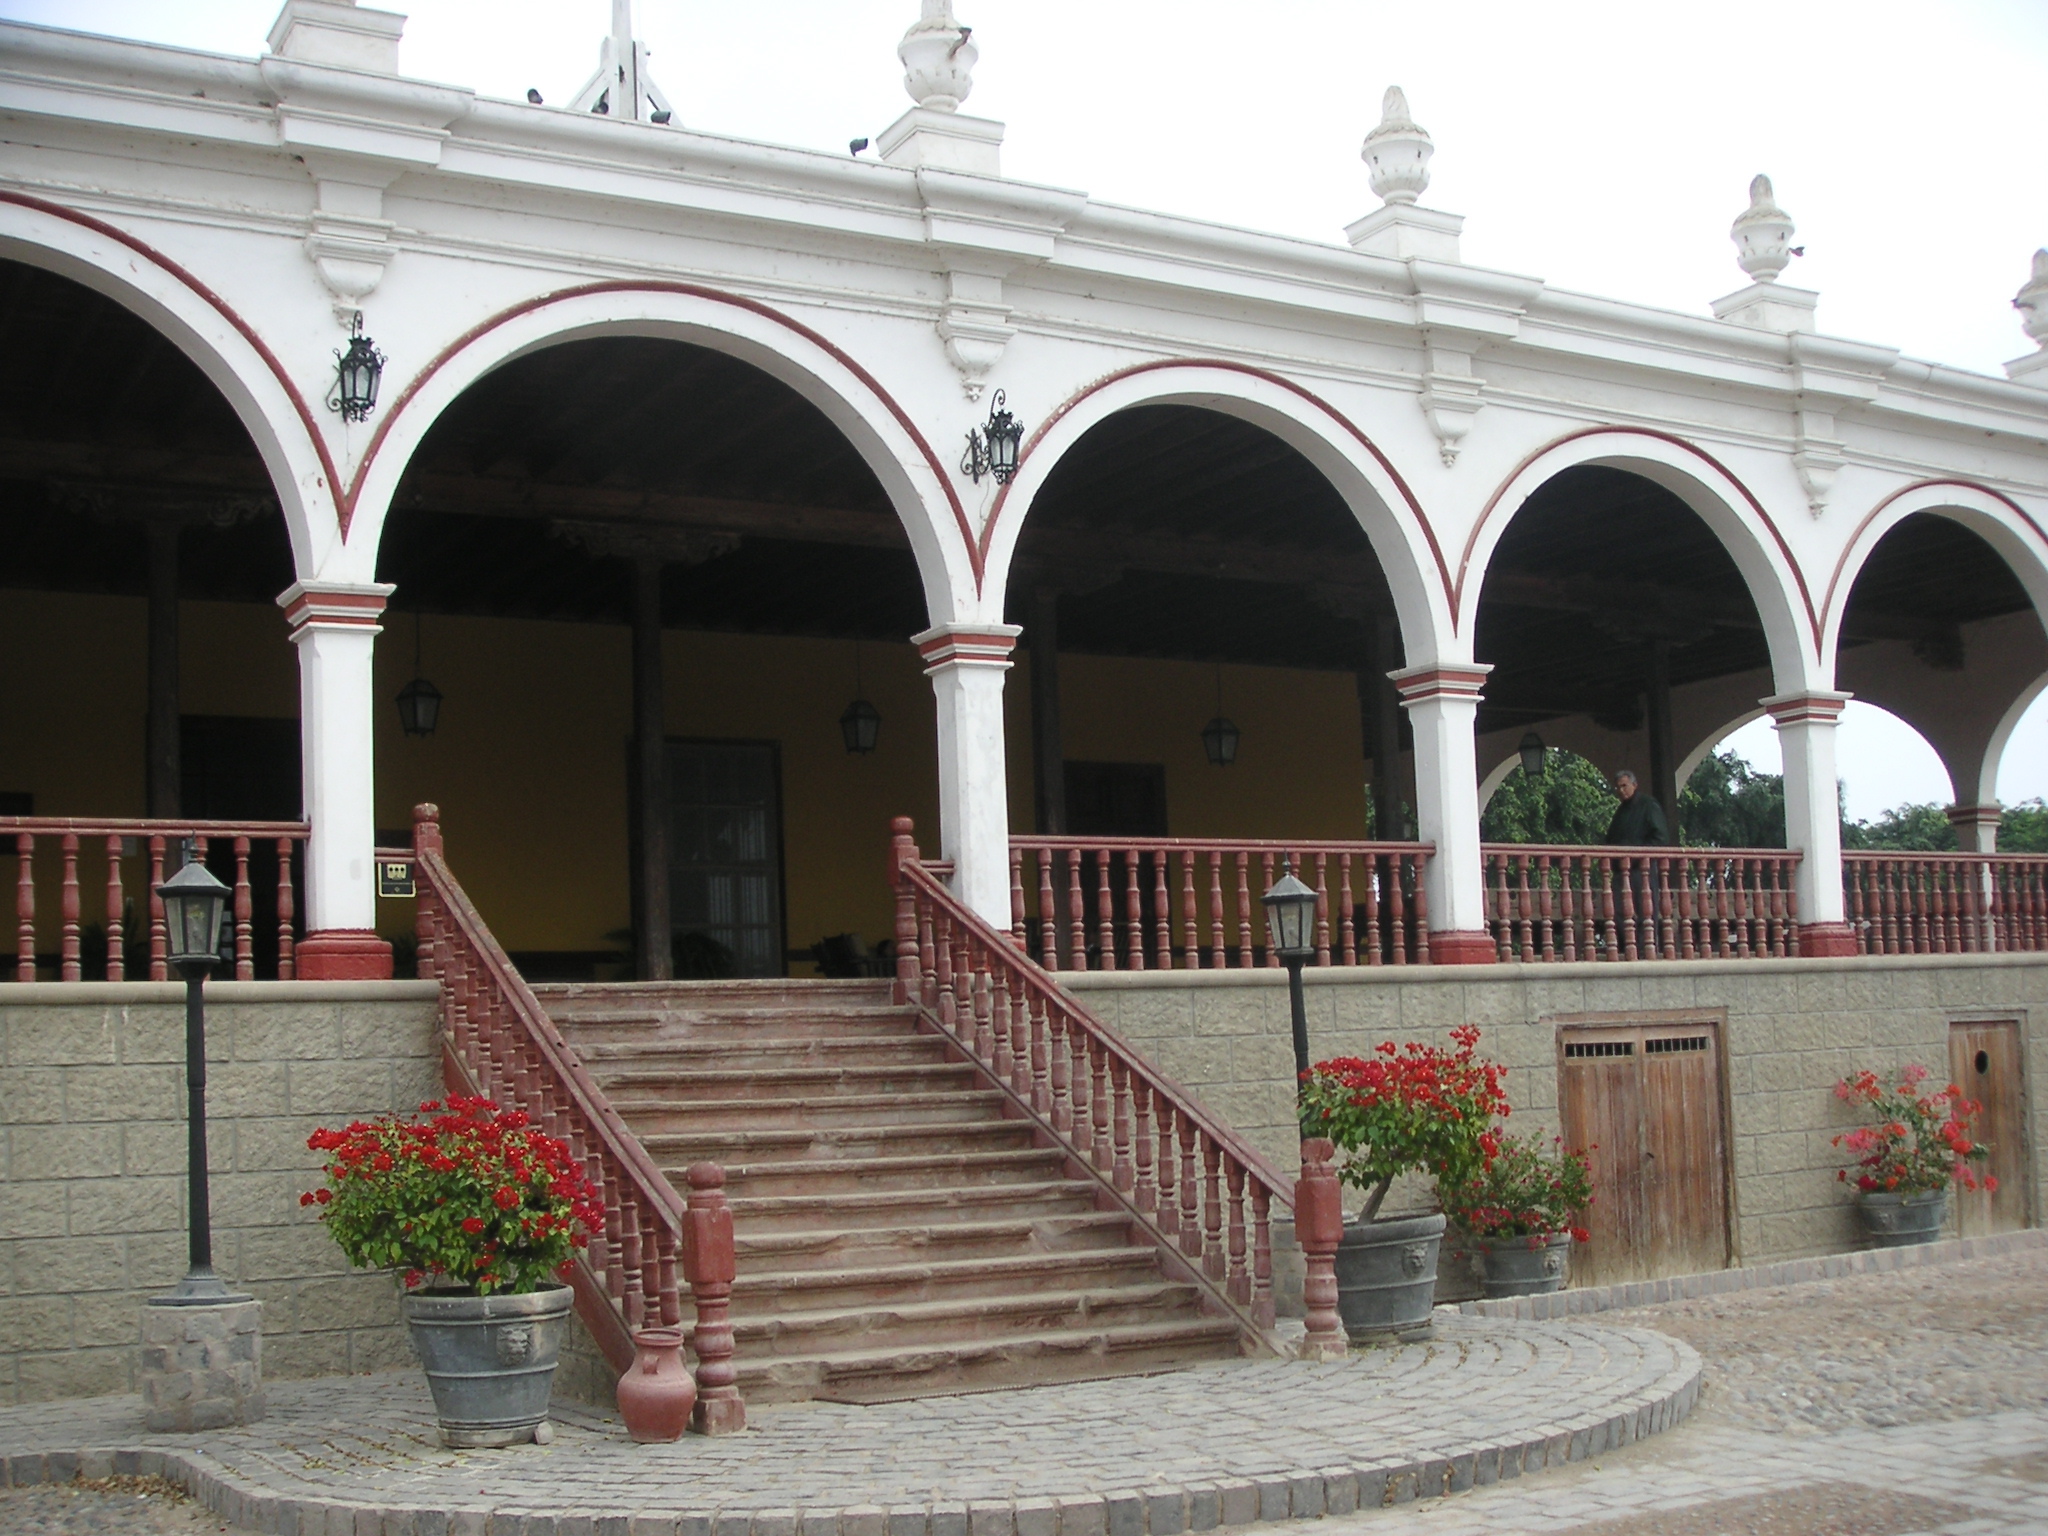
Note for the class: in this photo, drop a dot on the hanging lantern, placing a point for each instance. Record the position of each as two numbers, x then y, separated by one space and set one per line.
1533 757
357 374
862 722
995 452
419 701
1219 740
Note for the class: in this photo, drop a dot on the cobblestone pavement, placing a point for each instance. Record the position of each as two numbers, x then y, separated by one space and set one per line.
1884 1405
1222 1444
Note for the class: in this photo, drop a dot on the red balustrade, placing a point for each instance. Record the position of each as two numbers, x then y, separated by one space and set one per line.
1547 902
1111 903
1200 1190
1945 903
500 1043
135 856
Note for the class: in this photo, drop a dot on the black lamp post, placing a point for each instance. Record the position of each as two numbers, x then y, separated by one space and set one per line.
357 372
995 452
1532 754
1290 933
194 905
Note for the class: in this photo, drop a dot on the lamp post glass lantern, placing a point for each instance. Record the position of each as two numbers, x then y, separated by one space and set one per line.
357 372
1290 933
195 909
1534 758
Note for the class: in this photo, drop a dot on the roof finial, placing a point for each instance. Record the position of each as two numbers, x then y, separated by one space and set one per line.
2032 301
938 58
1763 234
1398 152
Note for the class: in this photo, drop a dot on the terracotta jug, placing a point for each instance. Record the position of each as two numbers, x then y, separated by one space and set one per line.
657 1393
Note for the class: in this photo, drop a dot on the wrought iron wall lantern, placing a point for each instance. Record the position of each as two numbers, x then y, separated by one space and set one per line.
419 701
994 452
861 724
1220 735
357 372
1534 759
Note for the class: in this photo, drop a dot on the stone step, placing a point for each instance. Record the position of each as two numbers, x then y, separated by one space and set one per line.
1026 1359
725 1120
852 1211
766 1055
564 998
829 1144
765 1248
791 1294
884 1324
964 1173
633 1085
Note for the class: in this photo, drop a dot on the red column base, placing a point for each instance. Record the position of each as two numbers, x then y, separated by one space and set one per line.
1817 940
343 954
1463 947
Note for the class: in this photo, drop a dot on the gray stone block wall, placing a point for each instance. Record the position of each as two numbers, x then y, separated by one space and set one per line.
92 1167
1793 1029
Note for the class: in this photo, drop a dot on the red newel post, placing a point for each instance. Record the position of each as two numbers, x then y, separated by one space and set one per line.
1319 1228
709 1266
902 851
426 838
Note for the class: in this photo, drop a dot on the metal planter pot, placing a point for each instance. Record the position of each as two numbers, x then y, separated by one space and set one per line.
1524 1266
490 1361
1903 1221
1386 1277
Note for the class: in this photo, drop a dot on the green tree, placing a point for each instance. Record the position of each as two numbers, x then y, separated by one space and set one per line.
1905 828
1728 804
1571 803
2025 828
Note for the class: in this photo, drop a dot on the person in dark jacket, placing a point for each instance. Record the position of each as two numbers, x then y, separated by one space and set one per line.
1639 820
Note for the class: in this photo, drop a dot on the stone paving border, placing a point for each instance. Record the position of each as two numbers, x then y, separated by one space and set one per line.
1548 1429
1834 1266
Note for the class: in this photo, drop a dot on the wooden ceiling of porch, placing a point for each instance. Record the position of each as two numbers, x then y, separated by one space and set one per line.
1170 531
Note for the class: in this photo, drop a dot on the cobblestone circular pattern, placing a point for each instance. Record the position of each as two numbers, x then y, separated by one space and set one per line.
1223 1444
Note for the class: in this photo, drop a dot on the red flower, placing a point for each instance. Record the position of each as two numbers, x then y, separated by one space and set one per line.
506 1197
472 1225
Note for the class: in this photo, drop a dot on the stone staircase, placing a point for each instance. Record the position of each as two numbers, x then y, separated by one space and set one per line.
898 1232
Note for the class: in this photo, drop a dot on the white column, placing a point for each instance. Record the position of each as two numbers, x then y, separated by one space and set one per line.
1813 819
966 663
1977 826
335 627
1442 700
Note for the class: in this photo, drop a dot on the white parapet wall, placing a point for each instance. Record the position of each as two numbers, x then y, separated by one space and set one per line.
1792 1029
92 1167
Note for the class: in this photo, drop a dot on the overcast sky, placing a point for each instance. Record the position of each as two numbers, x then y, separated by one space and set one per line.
1602 147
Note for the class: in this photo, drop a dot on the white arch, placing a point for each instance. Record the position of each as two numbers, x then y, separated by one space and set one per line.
1384 508
909 472
2017 537
1722 502
1994 750
147 284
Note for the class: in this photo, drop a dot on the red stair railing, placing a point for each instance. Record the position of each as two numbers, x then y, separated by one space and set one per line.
1135 904
499 1042
1945 903
1548 902
1202 1192
153 847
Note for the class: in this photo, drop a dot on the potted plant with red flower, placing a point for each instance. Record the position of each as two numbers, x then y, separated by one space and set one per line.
479 1214
1522 1210
1410 1108
1906 1157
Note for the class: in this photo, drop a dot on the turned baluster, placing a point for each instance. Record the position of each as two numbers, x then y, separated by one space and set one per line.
972 1026
1134 908
1077 914
1244 911
1348 928
1374 864
1190 1192
1105 913
991 1033
1145 1191
1888 903
245 959
1122 1175
1667 912
1102 1149
1216 949
1629 945
1397 924
25 908
614 1237
1190 922
941 937
1048 915
930 988
287 912
1240 1281
1017 898
1262 1254
117 962
1162 911
631 1266
159 933
1610 931
709 1264
1166 1206
665 1275
1545 917
1322 909
1060 1075
1041 1052
1567 910
68 911
1023 1075
1266 884
1214 1263
1419 910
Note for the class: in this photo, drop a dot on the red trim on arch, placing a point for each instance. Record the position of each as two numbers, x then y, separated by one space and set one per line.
213 300
1842 560
753 306
1813 616
1414 506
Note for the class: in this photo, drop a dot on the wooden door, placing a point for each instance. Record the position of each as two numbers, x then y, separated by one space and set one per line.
1645 1099
1984 1061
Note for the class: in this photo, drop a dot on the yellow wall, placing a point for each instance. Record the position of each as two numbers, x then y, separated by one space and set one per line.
529 762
